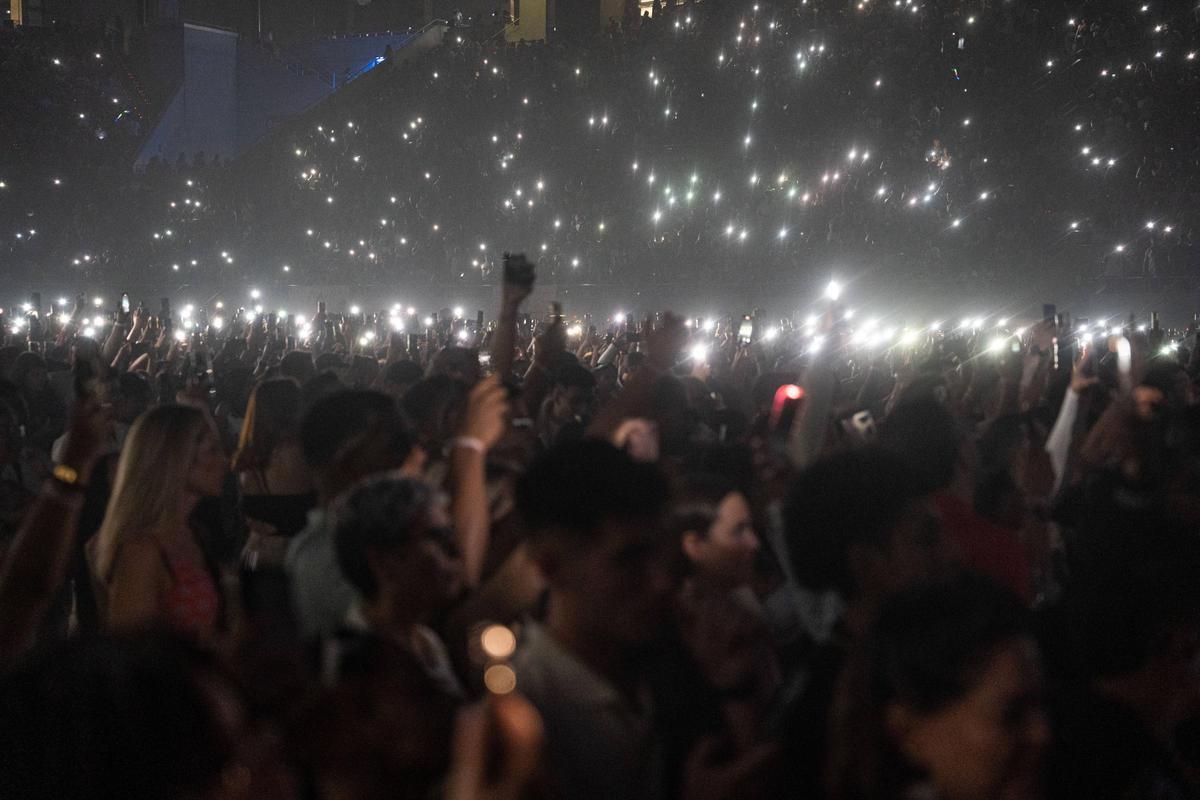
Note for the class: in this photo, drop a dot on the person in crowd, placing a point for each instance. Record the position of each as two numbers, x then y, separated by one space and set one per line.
857 525
943 698
595 521
394 692
42 411
400 376
38 559
148 562
345 436
394 544
925 433
297 365
1125 643
275 482
715 526
145 716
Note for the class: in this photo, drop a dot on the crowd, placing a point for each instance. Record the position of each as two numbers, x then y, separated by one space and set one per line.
541 557
368 552
714 143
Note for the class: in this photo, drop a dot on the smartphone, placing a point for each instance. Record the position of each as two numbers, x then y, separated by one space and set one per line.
291 343
36 301
746 330
556 311
164 307
788 400
479 320
1049 312
320 306
518 270
124 302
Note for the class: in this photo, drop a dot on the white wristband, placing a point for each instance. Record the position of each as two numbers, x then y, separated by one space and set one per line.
468 443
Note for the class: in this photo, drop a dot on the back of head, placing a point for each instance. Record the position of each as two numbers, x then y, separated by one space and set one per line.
459 363
384 514
25 363
272 416
925 435
576 486
320 385
132 718
151 472
297 364
1125 609
340 427
929 642
840 502
402 373
572 374
432 404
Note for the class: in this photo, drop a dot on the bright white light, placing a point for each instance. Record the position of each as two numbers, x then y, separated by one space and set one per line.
255 294
700 353
771 334
833 291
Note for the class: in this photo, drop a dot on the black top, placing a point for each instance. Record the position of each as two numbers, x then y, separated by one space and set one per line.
286 513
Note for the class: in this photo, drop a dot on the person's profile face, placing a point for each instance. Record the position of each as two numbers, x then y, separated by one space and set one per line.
726 551
208 469
990 742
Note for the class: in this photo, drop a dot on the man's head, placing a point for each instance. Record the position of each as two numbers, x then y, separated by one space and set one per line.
855 523
135 397
393 544
595 519
350 434
924 434
297 364
400 376
29 372
570 402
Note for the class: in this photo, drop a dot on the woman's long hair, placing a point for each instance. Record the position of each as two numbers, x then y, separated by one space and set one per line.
152 471
272 417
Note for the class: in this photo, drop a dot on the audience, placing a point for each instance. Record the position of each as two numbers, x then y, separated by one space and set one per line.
562 558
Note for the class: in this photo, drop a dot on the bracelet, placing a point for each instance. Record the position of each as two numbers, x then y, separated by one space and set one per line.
68 478
468 443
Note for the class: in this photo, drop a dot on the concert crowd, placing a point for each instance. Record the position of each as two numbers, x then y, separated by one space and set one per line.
383 551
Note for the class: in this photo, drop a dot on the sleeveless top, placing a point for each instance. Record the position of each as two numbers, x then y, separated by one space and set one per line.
286 513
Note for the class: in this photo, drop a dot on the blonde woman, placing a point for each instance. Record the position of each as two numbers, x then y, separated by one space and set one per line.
147 564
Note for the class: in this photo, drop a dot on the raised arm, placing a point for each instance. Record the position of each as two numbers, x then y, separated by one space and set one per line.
36 563
483 425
